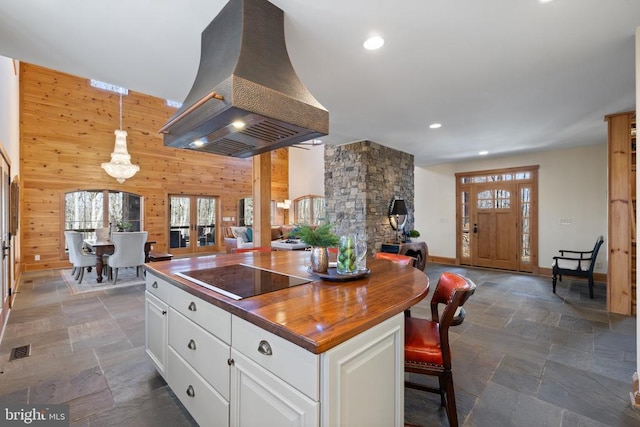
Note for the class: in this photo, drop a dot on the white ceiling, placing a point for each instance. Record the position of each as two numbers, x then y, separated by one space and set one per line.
506 76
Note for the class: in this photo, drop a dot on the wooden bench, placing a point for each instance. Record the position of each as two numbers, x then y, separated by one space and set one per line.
159 256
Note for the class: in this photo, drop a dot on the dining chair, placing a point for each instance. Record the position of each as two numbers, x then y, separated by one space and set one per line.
128 251
397 258
258 249
77 256
426 342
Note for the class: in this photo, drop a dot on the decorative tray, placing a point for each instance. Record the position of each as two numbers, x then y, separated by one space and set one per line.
332 275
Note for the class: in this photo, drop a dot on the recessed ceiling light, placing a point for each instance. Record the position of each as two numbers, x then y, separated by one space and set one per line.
545 1
435 125
373 43
238 124
483 153
198 143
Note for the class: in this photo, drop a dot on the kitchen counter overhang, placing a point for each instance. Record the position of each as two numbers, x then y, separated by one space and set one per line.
316 316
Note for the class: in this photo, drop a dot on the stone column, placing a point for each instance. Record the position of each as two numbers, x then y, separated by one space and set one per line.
360 181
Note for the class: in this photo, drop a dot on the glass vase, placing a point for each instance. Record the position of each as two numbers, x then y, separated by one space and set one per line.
346 262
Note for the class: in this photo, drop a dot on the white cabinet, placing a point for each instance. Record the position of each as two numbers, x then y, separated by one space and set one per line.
229 372
259 398
273 382
363 378
205 404
199 351
156 324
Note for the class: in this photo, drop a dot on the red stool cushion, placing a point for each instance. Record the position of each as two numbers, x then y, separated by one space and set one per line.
422 341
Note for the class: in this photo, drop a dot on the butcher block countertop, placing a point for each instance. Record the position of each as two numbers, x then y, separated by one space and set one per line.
318 315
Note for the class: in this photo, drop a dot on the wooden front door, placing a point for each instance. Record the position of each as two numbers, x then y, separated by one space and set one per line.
494 226
497 218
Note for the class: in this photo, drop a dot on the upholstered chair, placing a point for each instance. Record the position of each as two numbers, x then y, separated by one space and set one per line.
77 256
128 252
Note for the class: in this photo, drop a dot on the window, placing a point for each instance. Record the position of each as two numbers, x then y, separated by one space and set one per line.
84 211
309 210
245 212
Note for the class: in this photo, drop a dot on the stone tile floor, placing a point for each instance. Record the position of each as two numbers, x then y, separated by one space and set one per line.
523 356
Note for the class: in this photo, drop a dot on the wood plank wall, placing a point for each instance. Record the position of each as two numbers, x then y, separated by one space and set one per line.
66 133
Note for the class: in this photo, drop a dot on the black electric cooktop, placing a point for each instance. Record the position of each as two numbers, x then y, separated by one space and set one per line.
240 281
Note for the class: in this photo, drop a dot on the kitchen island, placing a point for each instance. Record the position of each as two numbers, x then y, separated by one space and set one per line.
320 353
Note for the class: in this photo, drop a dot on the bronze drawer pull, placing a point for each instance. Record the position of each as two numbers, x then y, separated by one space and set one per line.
155 285
191 345
192 306
191 392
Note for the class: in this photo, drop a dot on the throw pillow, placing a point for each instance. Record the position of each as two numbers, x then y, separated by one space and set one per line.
250 234
240 233
236 230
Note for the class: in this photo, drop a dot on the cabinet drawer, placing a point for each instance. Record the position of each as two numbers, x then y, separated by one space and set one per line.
204 404
158 287
213 319
205 353
294 365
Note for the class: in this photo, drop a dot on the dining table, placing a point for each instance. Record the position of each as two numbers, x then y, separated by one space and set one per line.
106 247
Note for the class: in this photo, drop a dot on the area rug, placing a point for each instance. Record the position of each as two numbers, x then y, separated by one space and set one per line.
126 278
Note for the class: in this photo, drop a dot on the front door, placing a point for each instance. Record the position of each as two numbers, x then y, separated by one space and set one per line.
192 227
497 218
494 227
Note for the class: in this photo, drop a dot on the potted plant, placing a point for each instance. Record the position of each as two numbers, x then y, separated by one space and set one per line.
319 238
412 234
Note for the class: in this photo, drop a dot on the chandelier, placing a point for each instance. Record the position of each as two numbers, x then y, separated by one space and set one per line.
120 166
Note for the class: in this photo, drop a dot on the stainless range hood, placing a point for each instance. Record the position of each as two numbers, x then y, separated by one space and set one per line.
247 98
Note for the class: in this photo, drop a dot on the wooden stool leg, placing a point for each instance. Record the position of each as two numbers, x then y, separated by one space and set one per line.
452 412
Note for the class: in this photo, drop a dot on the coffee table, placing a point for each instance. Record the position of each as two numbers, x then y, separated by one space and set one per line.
288 245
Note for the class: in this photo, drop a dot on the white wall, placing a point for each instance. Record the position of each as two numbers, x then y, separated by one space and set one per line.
572 184
9 112
306 172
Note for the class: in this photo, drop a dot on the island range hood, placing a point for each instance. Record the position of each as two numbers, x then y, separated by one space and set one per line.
246 99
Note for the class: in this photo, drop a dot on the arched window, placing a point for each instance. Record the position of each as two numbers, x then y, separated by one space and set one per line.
84 211
308 210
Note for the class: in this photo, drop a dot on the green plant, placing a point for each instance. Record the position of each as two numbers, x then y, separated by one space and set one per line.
319 236
123 226
414 233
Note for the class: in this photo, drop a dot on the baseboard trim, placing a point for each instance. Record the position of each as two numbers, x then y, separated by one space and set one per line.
442 260
544 272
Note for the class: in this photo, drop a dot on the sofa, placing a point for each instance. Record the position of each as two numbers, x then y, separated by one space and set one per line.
242 237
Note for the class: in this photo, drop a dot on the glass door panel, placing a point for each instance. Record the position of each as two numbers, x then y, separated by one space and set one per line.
465 245
206 221
179 223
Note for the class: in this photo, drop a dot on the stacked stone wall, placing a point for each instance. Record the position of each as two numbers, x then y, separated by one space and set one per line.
360 181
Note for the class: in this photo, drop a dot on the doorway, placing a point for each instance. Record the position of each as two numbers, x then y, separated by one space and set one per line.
5 235
192 224
497 218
